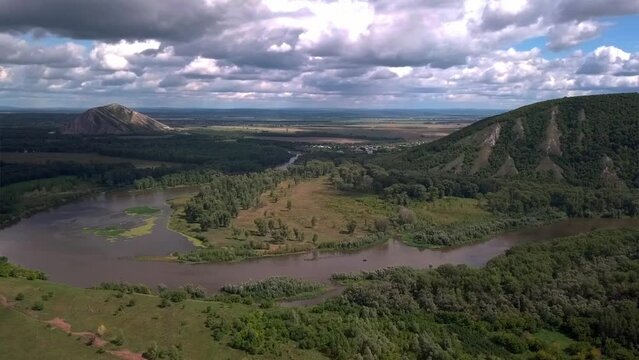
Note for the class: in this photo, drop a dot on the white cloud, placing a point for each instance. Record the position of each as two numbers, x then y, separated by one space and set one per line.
4 74
113 56
202 66
338 51
281 48
570 34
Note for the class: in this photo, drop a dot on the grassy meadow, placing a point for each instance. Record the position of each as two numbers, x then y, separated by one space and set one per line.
321 215
132 322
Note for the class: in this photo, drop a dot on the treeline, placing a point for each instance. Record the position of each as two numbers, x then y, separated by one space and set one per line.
8 269
426 235
123 174
273 288
248 250
402 186
512 197
222 153
583 287
524 198
517 203
225 196
41 194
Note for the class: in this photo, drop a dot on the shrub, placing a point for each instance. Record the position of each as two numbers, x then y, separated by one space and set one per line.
37 306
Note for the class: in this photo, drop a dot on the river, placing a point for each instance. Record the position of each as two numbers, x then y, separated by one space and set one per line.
56 242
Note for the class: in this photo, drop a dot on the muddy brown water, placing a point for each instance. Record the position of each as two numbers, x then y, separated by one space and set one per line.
57 243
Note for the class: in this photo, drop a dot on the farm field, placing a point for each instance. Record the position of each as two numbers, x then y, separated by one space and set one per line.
341 133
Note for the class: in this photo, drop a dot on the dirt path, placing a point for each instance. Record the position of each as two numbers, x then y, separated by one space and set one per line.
59 323
93 339
89 338
126 355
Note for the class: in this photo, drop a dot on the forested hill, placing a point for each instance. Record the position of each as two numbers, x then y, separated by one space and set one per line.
586 140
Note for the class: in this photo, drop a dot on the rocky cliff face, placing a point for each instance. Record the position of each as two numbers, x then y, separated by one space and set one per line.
113 119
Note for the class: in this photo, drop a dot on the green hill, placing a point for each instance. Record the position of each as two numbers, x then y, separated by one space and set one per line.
586 140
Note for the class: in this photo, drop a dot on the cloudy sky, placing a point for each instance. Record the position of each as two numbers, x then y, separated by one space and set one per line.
314 53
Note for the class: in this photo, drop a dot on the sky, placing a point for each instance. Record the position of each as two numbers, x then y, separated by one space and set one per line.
314 53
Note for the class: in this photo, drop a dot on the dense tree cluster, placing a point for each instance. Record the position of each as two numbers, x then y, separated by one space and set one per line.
364 241
517 202
123 174
224 154
584 287
521 198
225 195
597 137
125 288
8 269
42 194
427 235
248 250
272 288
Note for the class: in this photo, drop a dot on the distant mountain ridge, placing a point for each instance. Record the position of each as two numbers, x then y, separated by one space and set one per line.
113 119
586 140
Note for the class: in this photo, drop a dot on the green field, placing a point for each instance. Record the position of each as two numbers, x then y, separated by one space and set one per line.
24 337
319 211
139 325
114 232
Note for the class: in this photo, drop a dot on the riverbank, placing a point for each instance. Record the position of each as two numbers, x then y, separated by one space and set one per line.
314 216
24 199
311 215
247 322
65 251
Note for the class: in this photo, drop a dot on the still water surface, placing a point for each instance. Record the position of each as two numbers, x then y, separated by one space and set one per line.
57 243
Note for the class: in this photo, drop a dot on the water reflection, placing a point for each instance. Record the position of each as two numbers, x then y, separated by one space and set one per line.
56 243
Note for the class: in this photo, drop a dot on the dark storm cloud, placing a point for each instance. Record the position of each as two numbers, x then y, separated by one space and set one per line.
110 19
586 9
172 80
116 81
250 46
551 12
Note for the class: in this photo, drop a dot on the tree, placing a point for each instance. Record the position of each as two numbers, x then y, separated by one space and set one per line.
313 222
315 238
351 226
262 227
289 205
